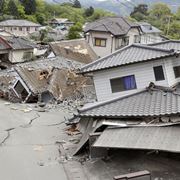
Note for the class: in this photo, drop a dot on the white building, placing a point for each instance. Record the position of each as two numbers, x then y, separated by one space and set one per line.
132 68
110 34
150 34
15 49
19 27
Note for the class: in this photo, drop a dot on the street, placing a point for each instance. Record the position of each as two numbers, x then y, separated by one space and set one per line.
28 143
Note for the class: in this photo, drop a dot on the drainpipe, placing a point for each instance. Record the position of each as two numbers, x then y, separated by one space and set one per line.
112 37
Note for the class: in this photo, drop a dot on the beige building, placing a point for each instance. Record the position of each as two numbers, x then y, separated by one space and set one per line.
110 34
19 27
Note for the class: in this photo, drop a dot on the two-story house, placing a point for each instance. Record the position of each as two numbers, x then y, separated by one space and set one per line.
110 34
132 68
19 27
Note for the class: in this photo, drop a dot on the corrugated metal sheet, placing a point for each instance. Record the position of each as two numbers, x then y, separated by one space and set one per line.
114 25
148 138
128 55
170 44
145 103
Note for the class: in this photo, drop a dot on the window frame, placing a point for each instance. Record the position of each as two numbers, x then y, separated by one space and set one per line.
155 75
101 39
175 73
122 79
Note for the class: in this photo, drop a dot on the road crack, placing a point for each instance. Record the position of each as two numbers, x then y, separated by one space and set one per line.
8 135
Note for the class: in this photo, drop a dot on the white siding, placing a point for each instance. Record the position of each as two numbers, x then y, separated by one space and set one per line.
17 56
150 38
170 71
143 72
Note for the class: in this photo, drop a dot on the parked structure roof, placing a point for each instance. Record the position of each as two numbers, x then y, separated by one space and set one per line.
148 28
78 50
146 138
130 54
18 23
169 44
114 25
156 101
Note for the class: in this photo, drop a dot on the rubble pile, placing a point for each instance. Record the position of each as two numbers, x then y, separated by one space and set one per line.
46 80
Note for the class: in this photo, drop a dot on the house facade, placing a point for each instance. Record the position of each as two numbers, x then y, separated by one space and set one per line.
110 34
131 69
19 27
61 23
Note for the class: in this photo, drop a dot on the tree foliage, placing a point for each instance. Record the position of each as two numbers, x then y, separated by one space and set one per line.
12 8
160 16
76 4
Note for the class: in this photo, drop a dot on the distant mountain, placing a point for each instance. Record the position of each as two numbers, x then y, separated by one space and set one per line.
121 7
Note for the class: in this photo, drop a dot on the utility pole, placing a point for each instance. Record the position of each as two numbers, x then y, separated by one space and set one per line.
169 20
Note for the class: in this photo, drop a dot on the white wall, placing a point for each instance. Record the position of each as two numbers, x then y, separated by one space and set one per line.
17 32
100 51
150 38
132 32
143 72
17 55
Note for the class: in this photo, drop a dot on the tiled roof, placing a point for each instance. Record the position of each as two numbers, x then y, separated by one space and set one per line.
128 55
78 50
155 102
114 25
169 44
19 43
149 138
19 23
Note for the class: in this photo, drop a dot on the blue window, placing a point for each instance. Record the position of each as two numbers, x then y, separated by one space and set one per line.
123 83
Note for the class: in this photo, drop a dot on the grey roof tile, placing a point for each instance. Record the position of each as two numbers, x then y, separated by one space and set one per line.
145 103
128 55
115 25
18 23
169 44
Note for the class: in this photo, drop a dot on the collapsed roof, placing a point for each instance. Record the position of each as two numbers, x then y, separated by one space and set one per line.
78 50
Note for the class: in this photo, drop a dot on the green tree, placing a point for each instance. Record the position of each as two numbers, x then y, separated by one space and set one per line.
89 11
74 31
21 12
174 30
29 6
1 6
12 8
160 10
140 12
77 4
40 17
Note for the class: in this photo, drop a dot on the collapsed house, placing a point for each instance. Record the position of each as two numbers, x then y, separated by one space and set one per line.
146 120
44 80
128 115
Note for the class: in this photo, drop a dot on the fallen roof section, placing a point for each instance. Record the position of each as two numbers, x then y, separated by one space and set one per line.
144 138
154 101
78 50
128 55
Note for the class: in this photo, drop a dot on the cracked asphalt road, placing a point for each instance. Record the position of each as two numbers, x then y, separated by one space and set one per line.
28 149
